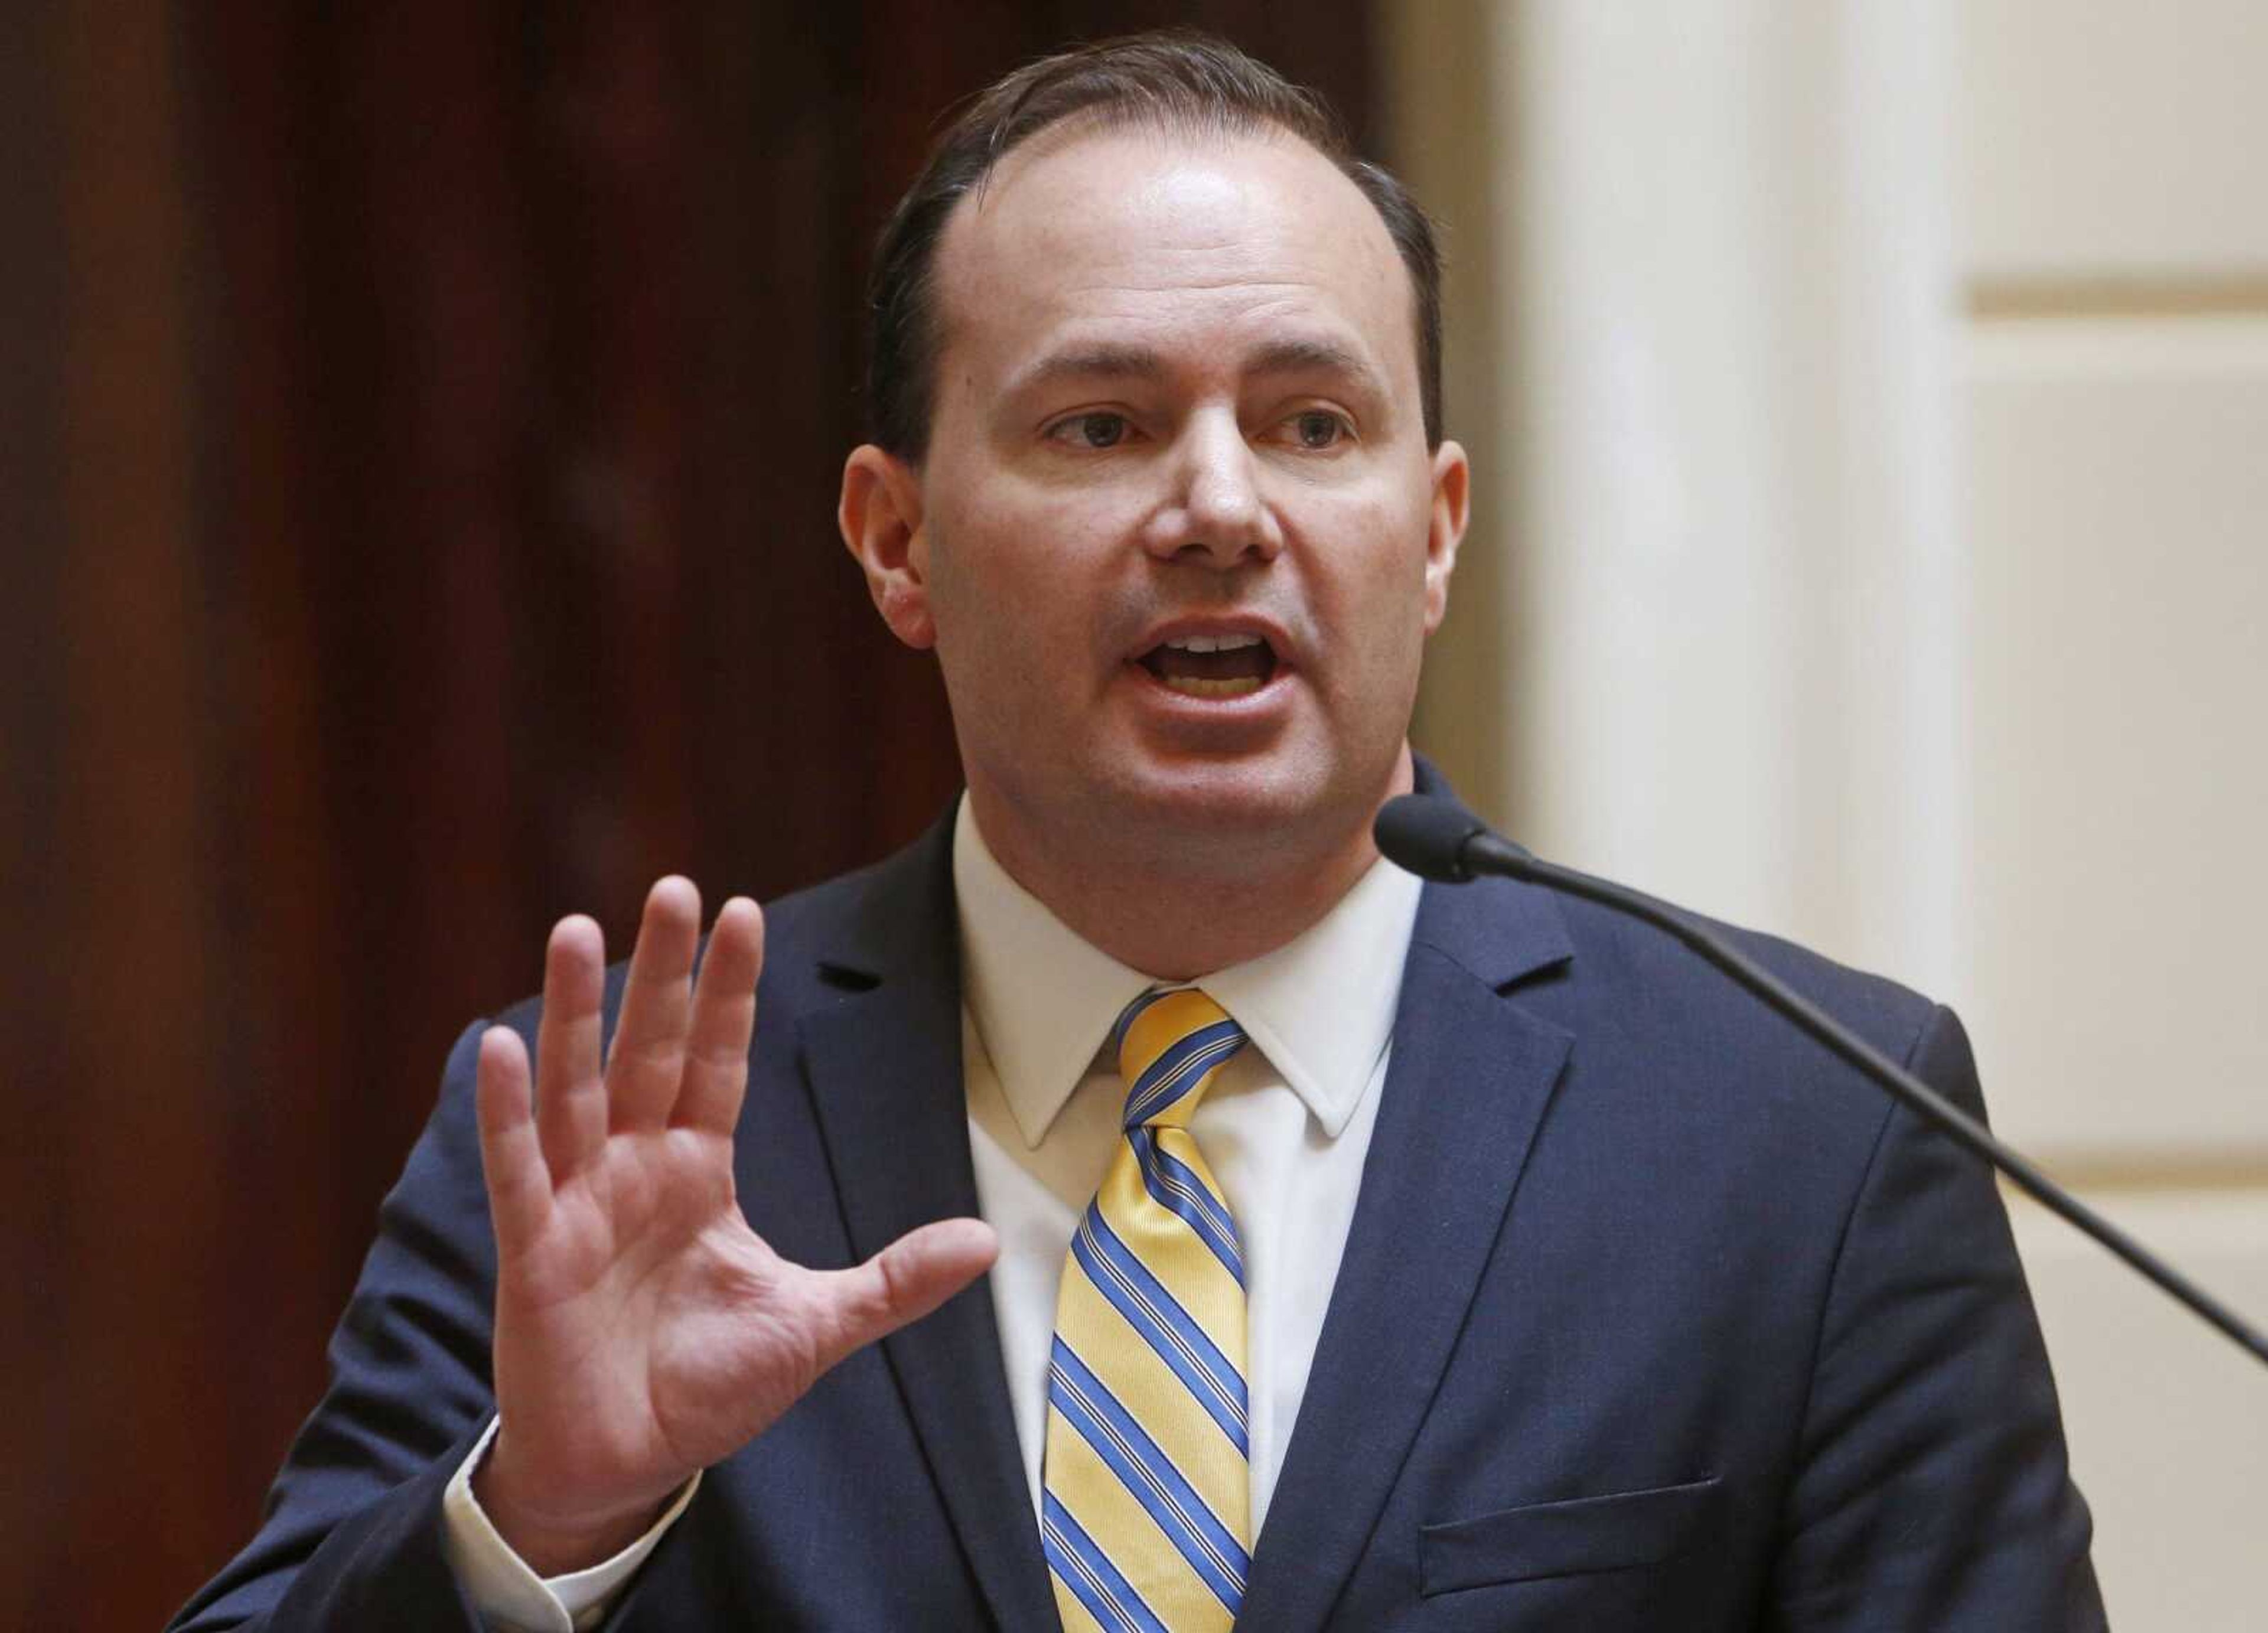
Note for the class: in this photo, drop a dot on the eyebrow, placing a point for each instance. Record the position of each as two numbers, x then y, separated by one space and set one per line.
1102 362
1291 354
1300 355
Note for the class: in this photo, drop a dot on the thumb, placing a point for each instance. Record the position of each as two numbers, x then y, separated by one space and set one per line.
904 1282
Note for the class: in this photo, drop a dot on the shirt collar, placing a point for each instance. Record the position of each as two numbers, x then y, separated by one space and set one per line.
1320 1007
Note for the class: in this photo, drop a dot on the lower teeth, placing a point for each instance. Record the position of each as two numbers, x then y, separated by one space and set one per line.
1192 687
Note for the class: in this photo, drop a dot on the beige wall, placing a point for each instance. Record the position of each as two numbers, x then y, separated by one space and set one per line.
2114 345
1871 404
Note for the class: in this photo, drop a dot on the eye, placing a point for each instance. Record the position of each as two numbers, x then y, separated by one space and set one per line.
1098 429
1317 430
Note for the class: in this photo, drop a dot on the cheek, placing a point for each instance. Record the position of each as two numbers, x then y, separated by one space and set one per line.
1370 582
1022 599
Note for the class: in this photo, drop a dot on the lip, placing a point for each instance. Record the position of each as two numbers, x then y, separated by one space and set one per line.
1279 642
1262 701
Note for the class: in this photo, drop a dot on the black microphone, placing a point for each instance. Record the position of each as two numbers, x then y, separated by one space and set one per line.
1440 840
1436 838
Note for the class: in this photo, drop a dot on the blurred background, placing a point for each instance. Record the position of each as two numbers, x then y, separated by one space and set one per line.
419 431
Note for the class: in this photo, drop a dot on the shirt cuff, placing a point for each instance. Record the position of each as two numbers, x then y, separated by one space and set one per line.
509 1595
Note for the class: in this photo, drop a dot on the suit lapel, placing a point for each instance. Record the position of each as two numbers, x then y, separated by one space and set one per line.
1466 1087
884 1067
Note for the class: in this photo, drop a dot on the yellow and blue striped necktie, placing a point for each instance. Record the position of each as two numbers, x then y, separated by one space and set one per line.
1146 1514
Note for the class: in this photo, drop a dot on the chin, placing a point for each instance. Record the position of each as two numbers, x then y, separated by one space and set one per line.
1191 808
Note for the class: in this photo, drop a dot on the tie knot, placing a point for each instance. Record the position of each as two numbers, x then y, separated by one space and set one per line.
1170 1044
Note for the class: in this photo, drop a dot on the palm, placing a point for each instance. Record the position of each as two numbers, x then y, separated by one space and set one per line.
644 1331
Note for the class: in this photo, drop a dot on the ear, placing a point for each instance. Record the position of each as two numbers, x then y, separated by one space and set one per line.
880 516
1446 529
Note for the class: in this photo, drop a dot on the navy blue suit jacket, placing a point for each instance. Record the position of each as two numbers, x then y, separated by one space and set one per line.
1652 1316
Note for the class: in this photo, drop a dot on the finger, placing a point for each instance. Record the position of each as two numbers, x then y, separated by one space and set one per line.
648 1054
570 1095
903 1283
511 1156
724 1020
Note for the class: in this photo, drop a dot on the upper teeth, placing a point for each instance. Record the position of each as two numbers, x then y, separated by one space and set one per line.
1211 642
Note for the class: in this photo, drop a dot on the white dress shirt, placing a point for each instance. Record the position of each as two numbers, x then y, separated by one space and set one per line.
1285 1129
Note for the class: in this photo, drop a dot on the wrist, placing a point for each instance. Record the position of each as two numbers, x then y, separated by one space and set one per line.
549 1541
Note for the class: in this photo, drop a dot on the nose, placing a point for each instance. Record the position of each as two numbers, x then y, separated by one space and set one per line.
1215 509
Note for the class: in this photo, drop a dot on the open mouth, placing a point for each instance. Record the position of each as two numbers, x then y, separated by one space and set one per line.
1211 665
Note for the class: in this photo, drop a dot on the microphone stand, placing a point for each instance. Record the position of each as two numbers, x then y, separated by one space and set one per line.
1438 840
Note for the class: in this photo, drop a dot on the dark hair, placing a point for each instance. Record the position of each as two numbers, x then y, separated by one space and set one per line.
1177 80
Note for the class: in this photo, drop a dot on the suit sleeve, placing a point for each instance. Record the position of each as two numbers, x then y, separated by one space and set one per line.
1933 1488
351 1538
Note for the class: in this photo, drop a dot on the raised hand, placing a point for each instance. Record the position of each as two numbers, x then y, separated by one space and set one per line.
643 1330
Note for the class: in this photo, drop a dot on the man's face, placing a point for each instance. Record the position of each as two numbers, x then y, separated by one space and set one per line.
1180 539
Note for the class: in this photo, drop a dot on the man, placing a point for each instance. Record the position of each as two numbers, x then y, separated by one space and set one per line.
1359 1257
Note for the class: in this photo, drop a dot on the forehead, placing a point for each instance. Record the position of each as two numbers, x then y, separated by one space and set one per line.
1198 245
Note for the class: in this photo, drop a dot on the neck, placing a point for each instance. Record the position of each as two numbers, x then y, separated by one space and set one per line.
1184 911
